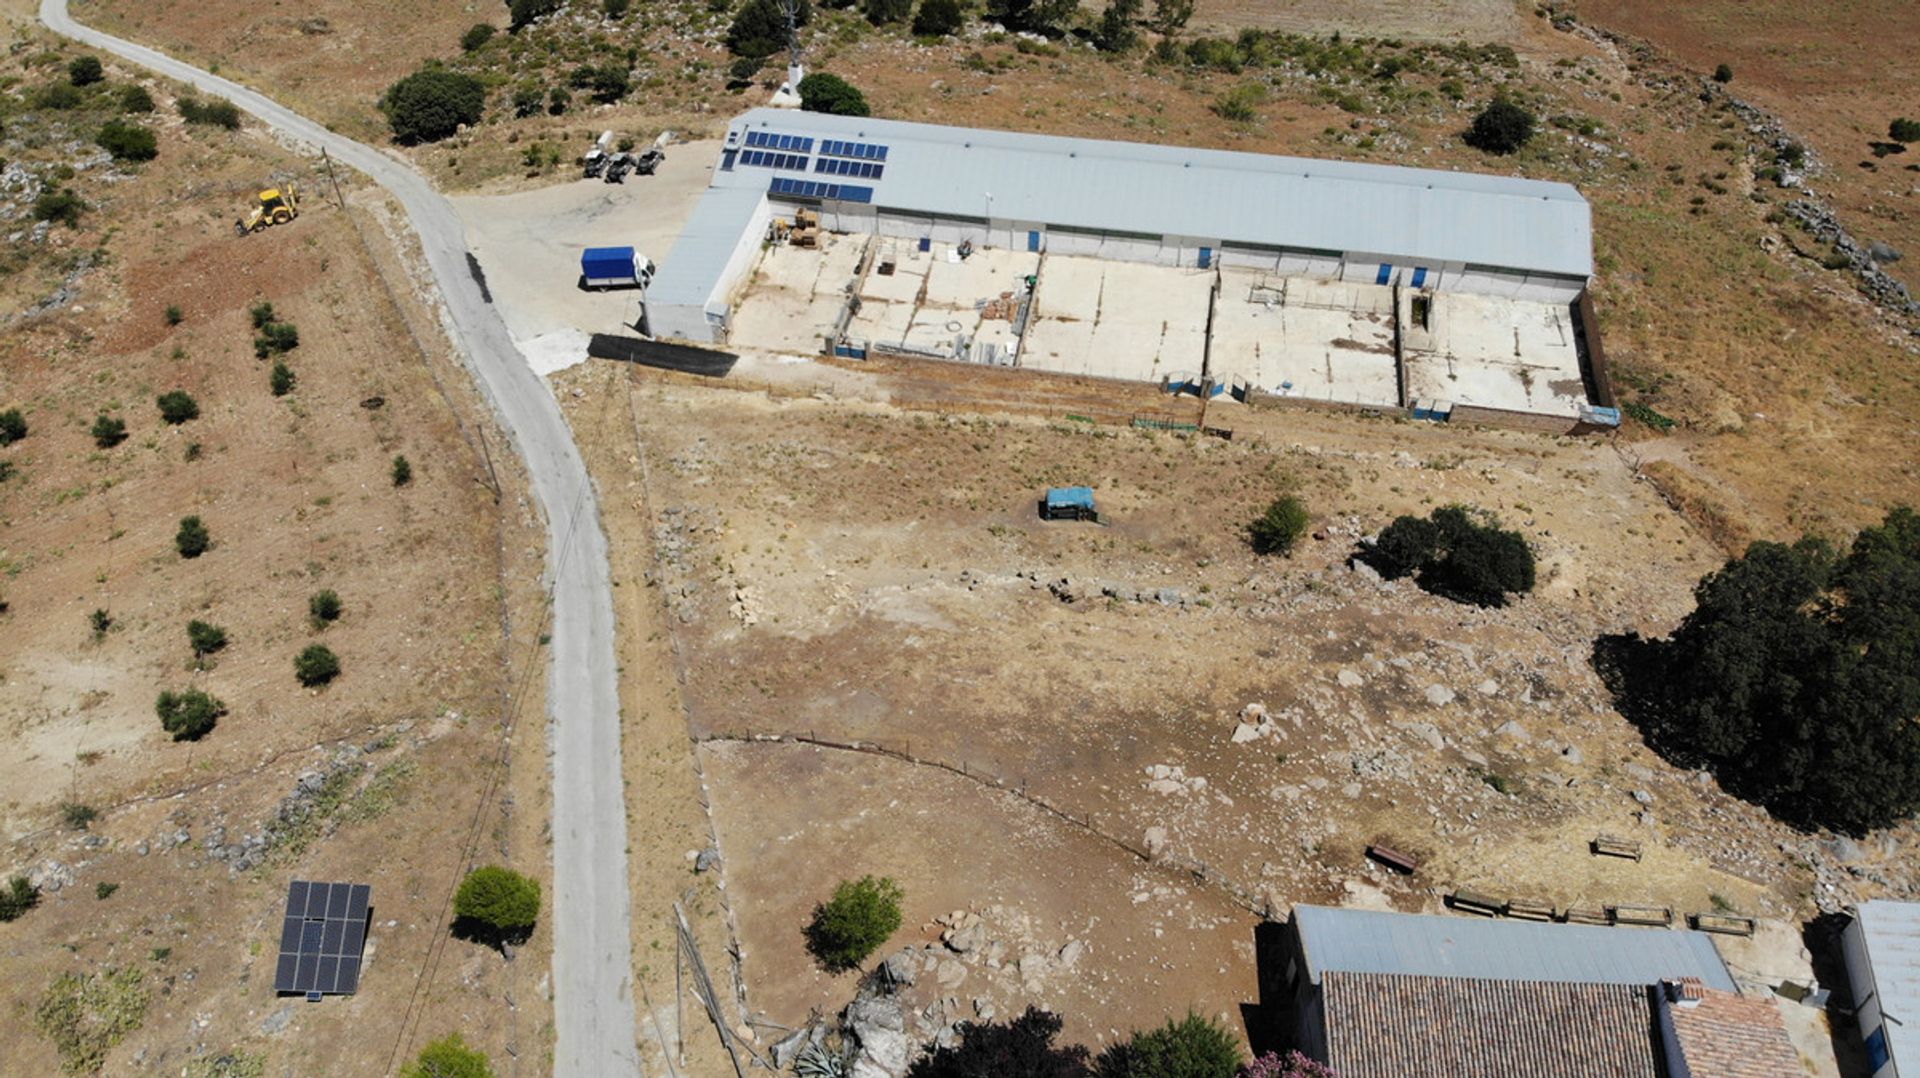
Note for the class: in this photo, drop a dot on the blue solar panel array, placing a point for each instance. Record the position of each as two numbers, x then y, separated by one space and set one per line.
835 166
865 151
841 192
768 159
322 938
768 140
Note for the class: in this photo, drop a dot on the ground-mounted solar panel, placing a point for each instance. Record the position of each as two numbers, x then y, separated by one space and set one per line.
322 938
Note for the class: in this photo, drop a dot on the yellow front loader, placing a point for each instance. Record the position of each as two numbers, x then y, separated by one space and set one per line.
277 207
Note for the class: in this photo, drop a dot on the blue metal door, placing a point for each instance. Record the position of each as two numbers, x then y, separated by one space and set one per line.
1386 273
1419 276
1206 258
1033 240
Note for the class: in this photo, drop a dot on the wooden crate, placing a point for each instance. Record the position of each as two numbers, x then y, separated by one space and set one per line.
1726 924
1608 846
1659 916
1474 902
1524 910
1405 864
1585 915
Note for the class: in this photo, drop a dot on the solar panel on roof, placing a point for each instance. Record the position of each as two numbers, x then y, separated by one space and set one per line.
322 938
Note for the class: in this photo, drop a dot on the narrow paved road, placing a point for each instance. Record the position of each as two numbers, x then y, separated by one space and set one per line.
592 952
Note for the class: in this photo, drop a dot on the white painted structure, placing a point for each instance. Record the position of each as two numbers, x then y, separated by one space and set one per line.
1882 949
1165 205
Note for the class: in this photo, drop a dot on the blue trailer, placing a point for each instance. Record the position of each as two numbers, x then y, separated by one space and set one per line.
1069 503
614 267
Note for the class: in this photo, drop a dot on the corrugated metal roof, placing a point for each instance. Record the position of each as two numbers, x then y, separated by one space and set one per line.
1397 1026
1892 934
691 270
1367 941
1413 215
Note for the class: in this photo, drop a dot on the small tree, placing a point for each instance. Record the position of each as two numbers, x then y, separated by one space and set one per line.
605 83
431 104
496 904
77 815
1456 555
99 621
276 338
62 206
85 71
558 101
280 380
1116 31
217 113
1723 74
824 92
524 12
316 665
177 407
1193 1047
759 28
881 12
477 35
261 313
938 18
192 540
13 426
1170 17
1500 128
136 99
127 141
323 608
109 431
402 471
1032 16
614 9
1020 1048
1280 527
188 715
854 922
205 638
1904 130
17 897
448 1057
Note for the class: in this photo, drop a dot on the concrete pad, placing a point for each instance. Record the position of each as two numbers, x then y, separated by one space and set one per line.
793 298
528 245
932 298
1302 337
1118 319
1492 352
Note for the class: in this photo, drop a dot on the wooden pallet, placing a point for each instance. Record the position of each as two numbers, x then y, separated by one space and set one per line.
1473 902
1726 924
1658 916
1584 915
1608 846
1523 910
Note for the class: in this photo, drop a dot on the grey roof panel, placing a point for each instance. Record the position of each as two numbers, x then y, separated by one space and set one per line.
1892 934
690 271
1367 941
1406 213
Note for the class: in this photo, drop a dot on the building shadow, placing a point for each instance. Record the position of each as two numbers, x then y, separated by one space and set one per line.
1269 1020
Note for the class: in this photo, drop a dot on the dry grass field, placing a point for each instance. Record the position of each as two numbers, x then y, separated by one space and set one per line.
168 861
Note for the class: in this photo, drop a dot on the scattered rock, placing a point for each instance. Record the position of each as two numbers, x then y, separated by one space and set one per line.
1350 680
1439 695
900 967
1513 731
1155 841
278 1020
1643 797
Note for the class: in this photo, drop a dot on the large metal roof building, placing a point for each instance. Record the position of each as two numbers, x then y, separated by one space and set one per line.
1882 948
1166 204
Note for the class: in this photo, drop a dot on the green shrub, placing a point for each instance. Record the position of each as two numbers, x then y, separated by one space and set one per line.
1456 555
323 608
823 92
104 890
216 113
1193 1047
527 100
136 99
449 1057
1500 128
614 9
188 715
276 338
605 83
192 540
938 18
1033 16
1279 527
1723 74
261 313
1021 1047
109 431
524 12
205 638
173 314
431 104
1117 31
1793 678
402 471
59 96
316 665
280 380
13 426
854 922
177 406
127 141
1904 130
63 206
99 621
16 898
1240 104
559 101
759 28
496 903
882 12
86 1015
78 816
85 71
476 36
1647 414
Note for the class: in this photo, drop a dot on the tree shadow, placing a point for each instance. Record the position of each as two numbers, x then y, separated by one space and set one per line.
474 930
